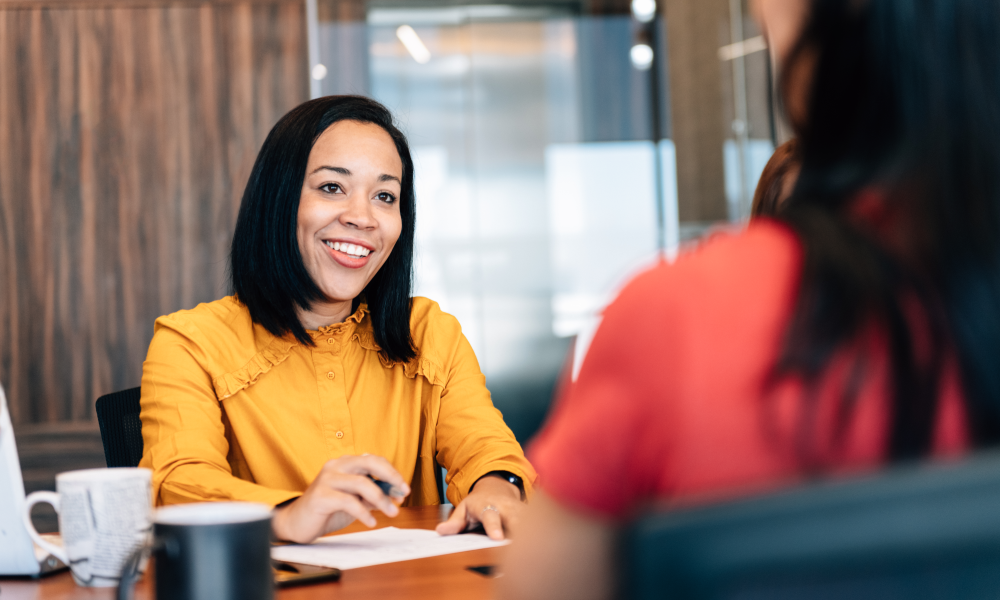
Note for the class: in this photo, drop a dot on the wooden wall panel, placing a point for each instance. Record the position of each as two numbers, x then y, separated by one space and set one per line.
126 136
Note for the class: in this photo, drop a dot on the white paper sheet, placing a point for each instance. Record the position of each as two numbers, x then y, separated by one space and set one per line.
380 546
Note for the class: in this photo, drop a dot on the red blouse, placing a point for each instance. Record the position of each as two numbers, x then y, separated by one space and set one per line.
671 403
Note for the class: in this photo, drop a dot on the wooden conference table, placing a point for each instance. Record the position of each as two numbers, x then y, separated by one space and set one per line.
438 578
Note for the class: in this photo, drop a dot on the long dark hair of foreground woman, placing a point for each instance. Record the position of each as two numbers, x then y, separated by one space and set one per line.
903 108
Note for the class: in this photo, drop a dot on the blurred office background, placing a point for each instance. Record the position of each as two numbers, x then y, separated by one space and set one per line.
559 146
545 136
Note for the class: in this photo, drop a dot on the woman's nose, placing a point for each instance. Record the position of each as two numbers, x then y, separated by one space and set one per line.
358 213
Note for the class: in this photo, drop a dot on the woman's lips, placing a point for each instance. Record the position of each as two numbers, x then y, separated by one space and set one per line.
346 260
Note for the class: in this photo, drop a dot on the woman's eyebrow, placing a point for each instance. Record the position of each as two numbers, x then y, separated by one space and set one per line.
343 171
340 170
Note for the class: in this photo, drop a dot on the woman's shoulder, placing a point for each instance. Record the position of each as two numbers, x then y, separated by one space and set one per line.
222 318
436 338
222 314
224 341
730 282
764 245
436 334
430 325
727 265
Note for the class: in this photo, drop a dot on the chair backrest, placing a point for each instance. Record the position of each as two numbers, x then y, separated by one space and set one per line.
121 428
913 533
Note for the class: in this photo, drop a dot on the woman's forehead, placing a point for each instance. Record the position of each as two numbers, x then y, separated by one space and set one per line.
358 145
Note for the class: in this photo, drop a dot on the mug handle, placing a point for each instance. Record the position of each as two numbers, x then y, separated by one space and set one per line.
131 569
33 499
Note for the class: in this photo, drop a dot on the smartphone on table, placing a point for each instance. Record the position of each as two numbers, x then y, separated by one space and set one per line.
288 574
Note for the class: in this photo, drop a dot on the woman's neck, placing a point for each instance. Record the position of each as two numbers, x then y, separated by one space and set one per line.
324 314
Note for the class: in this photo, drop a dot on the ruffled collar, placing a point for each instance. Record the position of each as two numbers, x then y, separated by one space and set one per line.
347 326
274 351
277 349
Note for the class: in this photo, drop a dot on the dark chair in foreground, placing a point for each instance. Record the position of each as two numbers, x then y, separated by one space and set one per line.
912 533
121 429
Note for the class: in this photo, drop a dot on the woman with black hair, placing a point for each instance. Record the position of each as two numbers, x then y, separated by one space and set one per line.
858 328
321 371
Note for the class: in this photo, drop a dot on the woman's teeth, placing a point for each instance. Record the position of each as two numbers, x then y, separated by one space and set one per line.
350 249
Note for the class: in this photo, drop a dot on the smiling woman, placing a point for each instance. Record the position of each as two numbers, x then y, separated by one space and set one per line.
349 218
321 371
325 158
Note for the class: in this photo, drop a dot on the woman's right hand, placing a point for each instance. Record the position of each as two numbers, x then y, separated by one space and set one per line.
341 493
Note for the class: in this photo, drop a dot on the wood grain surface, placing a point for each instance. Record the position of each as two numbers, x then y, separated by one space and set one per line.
127 133
437 578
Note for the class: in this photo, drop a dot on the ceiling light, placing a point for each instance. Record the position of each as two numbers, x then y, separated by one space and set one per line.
748 46
644 10
642 56
414 45
319 72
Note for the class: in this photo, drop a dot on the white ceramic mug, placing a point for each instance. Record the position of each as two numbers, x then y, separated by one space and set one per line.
104 516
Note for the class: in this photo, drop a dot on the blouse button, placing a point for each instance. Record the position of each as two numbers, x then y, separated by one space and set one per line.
331 375
340 434
329 340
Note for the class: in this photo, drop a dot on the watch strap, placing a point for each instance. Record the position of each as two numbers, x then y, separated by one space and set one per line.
507 476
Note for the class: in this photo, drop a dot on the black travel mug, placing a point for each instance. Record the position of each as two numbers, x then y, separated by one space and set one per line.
208 551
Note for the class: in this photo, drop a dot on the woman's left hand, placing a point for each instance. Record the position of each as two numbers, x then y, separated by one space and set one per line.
493 501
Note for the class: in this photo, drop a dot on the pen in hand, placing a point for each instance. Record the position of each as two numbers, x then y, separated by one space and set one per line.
388 489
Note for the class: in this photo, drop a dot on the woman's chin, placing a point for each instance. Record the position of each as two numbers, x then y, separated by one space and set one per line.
340 297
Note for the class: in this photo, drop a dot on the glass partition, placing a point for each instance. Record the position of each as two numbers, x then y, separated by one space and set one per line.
545 168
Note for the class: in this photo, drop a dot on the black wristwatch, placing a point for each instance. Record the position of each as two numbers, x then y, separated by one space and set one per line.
507 476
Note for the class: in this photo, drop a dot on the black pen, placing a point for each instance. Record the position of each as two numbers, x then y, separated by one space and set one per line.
388 489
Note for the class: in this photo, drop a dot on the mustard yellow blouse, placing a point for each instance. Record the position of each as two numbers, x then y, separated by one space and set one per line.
230 412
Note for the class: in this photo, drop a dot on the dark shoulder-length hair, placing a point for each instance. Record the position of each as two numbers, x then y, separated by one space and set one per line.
903 107
266 271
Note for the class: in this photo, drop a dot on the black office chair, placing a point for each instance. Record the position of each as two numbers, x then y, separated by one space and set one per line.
913 533
121 428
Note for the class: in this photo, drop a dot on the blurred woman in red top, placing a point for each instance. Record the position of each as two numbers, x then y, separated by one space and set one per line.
860 327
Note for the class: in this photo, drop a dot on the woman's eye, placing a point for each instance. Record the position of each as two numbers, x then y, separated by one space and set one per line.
330 188
386 197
